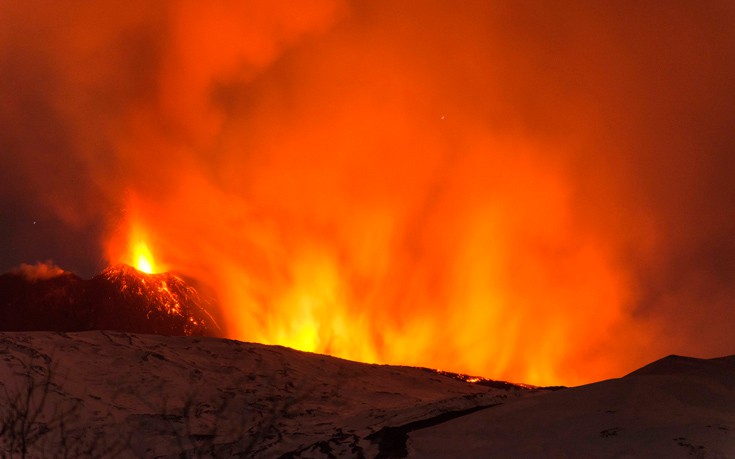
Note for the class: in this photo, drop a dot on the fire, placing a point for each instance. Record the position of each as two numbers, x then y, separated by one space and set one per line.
138 253
494 282
130 243
143 257
365 186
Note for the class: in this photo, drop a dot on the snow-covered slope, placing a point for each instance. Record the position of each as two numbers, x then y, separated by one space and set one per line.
113 394
677 407
120 394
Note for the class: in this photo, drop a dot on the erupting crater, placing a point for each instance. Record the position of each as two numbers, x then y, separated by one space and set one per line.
120 298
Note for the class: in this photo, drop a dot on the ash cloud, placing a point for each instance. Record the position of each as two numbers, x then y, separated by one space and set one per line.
584 150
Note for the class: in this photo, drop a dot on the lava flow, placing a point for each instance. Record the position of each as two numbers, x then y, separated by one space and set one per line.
171 306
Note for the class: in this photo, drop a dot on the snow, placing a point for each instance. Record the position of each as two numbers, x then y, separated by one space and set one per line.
151 396
114 394
676 407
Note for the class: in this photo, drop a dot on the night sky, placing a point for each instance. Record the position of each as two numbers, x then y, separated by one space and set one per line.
585 146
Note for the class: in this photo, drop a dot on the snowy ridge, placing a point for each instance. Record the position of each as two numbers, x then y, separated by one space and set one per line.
676 407
154 396
115 394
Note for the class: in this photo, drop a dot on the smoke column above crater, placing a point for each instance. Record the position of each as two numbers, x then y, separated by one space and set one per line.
538 194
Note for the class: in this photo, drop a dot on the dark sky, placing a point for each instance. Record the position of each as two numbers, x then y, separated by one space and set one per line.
566 162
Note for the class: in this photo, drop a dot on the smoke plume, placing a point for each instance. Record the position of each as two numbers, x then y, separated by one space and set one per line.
38 271
536 192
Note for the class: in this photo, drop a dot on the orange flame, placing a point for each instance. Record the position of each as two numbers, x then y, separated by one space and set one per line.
143 259
500 287
360 196
130 244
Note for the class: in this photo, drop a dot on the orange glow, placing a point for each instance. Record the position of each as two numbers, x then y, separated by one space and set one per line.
143 258
379 230
497 282
138 254
131 243
418 183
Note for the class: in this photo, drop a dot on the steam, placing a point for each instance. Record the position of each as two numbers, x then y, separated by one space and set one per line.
38 271
536 194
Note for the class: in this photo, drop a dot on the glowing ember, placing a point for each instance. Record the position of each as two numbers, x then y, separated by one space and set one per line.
491 382
151 287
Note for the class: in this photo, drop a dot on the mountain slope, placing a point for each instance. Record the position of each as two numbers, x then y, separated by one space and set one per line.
677 407
116 394
157 396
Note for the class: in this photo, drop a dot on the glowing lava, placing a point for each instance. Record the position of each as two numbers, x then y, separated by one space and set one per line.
143 259
131 243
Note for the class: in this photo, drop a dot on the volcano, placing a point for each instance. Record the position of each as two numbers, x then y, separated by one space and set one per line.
120 298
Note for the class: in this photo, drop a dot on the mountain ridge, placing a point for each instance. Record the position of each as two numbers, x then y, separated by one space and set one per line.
119 298
143 395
